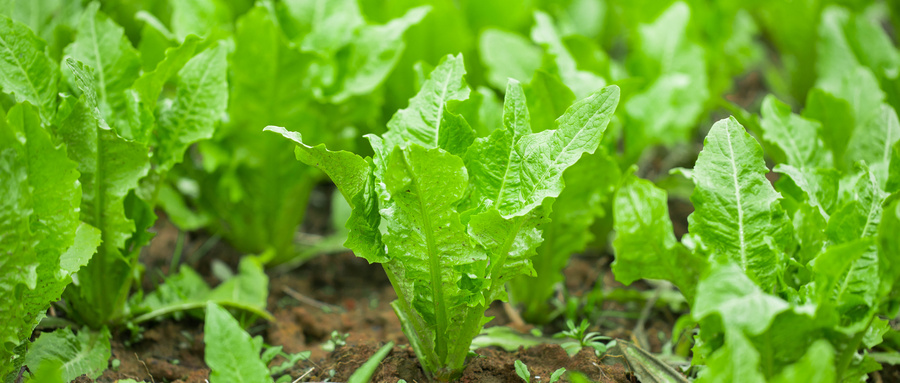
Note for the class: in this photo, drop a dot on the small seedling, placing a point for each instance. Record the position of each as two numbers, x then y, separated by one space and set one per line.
522 371
582 338
337 340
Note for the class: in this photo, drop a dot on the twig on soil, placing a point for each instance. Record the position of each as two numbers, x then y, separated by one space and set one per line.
304 375
312 302
145 368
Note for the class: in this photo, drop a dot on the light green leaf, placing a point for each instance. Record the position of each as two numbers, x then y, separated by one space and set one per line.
507 55
590 184
667 109
198 17
86 353
737 360
818 187
425 240
582 83
426 121
817 365
548 98
538 160
737 213
893 180
325 26
103 46
38 222
199 104
374 53
859 218
230 353
645 243
53 21
742 306
25 70
873 141
150 84
796 137
836 116
889 244
187 291
87 239
490 159
522 371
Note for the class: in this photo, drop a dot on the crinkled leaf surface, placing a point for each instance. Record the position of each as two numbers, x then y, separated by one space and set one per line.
44 242
103 46
426 121
25 70
737 213
645 243
199 104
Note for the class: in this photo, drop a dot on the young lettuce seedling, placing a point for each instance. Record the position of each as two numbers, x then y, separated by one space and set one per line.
461 216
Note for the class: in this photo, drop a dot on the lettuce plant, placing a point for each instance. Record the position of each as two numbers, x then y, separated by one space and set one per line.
122 132
787 281
318 75
461 216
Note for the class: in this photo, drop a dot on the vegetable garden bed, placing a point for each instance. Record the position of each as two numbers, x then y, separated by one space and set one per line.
449 190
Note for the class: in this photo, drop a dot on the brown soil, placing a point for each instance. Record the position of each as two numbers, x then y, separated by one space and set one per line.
490 366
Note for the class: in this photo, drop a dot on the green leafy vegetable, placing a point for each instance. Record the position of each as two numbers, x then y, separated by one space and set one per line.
86 353
230 353
457 228
44 243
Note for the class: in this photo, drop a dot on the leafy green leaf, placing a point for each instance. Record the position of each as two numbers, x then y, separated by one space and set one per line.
507 55
86 353
737 213
645 243
187 291
426 121
583 83
796 137
102 45
522 371
198 17
374 53
230 353
44 241
817 365
200 102
873 141
25 69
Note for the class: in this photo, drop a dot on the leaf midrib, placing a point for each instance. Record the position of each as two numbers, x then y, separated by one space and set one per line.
738 202
440 111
